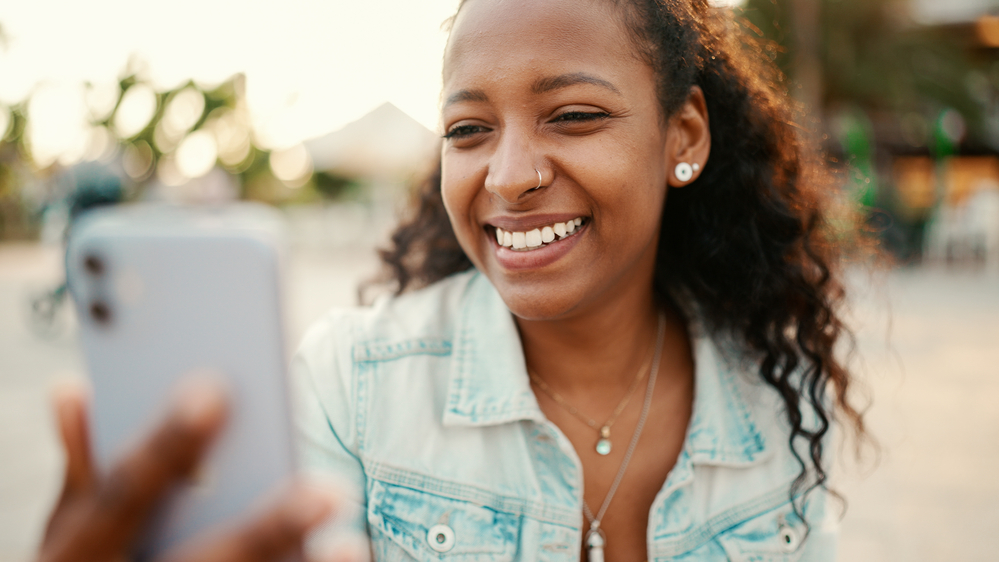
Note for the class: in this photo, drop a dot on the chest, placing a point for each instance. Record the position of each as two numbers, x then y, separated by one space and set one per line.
488 490
490 516
620 485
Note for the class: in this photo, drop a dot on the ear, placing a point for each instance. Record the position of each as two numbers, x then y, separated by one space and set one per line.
688 139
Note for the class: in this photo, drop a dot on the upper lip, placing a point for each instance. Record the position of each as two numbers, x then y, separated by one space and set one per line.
524 224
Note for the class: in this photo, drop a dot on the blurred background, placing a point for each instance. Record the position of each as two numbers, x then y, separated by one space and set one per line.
328 111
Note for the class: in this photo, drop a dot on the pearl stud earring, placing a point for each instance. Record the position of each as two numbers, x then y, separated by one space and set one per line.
684 171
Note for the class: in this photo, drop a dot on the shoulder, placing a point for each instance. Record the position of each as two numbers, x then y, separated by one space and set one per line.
732 489
329 363
420 315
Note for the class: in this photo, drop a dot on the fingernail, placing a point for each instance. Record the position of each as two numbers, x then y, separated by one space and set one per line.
70 388
200 399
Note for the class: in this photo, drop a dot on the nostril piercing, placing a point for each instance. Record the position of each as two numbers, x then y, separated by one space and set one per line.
539 177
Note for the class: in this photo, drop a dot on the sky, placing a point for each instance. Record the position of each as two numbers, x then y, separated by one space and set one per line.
311 66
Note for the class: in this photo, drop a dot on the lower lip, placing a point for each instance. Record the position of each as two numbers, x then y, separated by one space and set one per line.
537 258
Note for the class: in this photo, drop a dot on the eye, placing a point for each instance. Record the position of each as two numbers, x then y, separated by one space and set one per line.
464 131
580 116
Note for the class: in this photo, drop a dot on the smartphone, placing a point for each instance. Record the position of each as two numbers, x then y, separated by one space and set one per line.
162 291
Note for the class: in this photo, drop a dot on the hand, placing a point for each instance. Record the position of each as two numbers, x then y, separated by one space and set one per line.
97 519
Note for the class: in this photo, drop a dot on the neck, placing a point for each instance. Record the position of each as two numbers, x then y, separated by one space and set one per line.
599 348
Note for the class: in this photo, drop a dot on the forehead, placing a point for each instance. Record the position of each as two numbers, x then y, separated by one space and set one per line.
496 37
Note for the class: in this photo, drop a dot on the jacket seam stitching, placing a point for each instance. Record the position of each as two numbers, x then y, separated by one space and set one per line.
464 492
721 523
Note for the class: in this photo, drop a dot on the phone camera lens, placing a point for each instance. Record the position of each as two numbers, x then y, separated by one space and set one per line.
100 312
93 264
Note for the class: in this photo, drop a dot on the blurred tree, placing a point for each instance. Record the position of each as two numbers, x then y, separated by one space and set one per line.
866 53
333 185
882 85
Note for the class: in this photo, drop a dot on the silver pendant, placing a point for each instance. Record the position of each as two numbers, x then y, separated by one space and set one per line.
595 544
604 444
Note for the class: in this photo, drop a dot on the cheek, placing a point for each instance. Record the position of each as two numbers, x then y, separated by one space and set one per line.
458 192
625 180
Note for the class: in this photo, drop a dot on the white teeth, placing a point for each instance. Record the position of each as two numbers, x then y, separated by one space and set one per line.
534 238
547 234
537 237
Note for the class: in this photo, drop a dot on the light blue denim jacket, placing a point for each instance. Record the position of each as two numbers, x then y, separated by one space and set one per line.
423 402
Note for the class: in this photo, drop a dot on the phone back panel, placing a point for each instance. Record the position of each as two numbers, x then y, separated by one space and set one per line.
185 290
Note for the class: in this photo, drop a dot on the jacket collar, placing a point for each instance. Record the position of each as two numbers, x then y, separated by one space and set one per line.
488 384
723 428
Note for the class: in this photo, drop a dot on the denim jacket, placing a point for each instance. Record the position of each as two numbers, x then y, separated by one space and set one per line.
424 403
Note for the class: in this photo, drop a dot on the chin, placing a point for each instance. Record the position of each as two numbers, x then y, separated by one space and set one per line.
538 303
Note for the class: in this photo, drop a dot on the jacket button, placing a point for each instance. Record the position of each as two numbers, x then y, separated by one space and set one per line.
788 538
441 538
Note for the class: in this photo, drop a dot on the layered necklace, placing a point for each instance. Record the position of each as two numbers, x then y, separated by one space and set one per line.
595 538
604 444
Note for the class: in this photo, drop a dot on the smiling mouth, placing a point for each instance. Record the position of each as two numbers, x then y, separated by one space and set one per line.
539 237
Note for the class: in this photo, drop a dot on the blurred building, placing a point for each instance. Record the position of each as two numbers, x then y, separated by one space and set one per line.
385 145
377 159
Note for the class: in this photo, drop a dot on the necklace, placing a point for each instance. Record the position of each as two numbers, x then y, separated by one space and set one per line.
595 538
604 444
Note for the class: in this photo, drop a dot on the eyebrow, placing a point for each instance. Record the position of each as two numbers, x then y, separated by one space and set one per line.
565 80
541 86
466 95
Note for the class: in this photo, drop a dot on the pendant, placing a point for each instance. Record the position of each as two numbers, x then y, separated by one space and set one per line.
604 444
595 544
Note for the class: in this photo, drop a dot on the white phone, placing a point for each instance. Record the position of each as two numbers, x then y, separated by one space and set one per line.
165 290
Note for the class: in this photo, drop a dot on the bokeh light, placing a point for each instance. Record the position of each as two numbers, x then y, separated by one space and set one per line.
169 173
57 125
101 144
137 160
292 166
182 112
231 129
101 99
137 107
196 154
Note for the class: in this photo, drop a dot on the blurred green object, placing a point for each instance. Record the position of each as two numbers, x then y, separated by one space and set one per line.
93 186
857 138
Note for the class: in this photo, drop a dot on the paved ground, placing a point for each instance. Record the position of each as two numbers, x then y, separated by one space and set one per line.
928 345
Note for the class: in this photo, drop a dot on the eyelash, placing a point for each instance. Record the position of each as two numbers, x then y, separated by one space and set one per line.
581 116
578 116
462 131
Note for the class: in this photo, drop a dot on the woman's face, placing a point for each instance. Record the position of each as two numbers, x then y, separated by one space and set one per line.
556 87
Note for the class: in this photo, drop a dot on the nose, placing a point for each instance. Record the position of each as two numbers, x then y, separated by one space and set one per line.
513 170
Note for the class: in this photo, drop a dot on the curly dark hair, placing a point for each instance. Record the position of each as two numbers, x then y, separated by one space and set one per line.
748 241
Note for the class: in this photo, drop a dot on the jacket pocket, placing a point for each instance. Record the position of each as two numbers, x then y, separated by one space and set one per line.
411 524
773 536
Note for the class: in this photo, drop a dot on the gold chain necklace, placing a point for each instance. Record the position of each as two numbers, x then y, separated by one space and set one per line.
604 444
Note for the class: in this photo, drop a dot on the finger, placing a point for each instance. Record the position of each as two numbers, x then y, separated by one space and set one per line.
273 534
71 398
124 501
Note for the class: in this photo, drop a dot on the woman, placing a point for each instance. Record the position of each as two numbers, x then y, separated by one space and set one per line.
622 339
616 312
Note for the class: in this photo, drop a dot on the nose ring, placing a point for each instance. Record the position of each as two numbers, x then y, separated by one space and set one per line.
539 177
